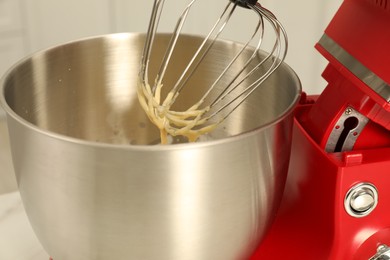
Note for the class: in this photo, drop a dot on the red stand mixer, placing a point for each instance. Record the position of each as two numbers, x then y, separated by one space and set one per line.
336 200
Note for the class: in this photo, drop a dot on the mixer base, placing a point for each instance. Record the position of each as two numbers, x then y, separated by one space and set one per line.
313 221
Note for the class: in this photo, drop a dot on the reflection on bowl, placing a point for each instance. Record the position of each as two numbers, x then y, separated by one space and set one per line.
7 175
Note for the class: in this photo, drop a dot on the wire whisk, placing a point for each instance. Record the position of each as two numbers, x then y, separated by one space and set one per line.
205 115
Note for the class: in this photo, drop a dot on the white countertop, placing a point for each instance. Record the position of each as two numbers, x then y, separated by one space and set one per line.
17 239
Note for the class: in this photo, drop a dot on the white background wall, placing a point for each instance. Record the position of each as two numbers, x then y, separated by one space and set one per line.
30 25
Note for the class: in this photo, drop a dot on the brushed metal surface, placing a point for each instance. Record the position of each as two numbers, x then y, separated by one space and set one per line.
72 112
7 175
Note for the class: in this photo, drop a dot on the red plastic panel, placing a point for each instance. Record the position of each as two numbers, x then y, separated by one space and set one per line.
362 28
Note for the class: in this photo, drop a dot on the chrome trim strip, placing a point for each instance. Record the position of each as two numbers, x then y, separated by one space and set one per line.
358 69
352 135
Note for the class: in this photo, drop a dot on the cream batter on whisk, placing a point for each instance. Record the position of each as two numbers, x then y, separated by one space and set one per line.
185 123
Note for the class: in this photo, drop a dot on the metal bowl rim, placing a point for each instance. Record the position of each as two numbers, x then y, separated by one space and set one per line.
33 127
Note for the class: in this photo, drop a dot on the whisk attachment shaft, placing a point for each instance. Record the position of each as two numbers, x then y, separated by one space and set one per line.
244 3
206 113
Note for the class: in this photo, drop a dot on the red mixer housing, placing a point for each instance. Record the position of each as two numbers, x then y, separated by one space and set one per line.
337 196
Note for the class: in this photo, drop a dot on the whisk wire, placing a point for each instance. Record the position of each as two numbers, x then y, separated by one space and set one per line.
200 117
152 28
277 59
230 87
171 46
202 51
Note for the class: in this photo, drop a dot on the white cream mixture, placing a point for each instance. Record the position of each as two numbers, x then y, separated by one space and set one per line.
189 123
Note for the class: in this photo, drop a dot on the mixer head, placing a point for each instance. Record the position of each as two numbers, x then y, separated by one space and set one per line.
229 89
353 112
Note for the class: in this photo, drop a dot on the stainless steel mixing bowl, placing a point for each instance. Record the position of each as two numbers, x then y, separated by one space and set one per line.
93 189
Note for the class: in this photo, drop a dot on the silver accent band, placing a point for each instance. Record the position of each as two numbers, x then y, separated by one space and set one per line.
358 69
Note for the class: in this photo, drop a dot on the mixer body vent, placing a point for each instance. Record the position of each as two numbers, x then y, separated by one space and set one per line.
382 3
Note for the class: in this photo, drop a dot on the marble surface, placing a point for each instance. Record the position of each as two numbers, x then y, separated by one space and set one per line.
17 239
